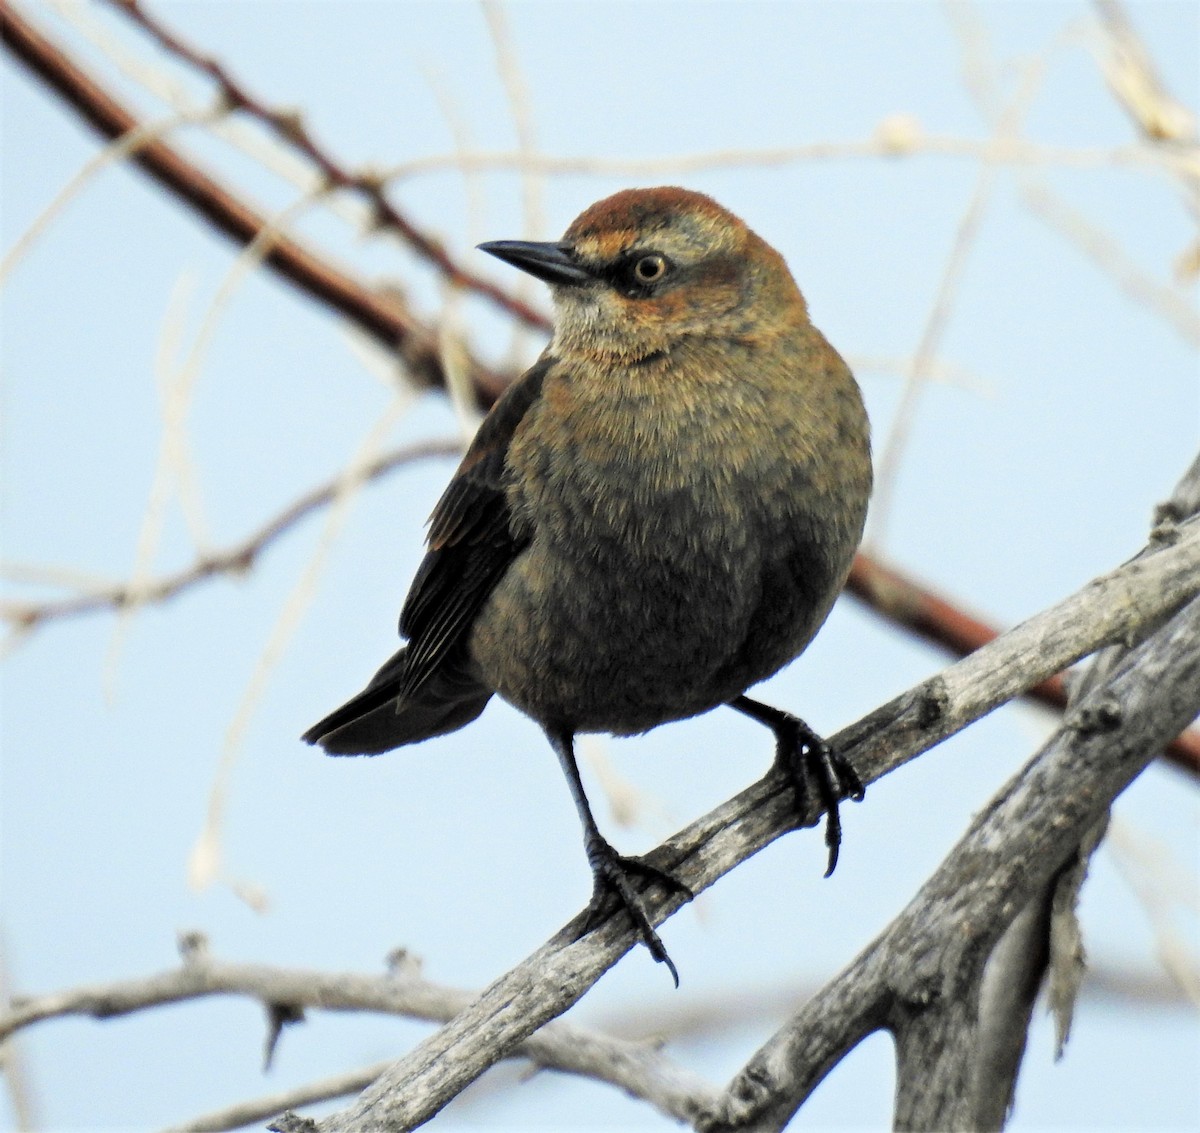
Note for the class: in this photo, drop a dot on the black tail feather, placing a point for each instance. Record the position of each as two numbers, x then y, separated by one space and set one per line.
382 717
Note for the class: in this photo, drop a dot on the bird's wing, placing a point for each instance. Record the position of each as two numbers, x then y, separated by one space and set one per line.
471 538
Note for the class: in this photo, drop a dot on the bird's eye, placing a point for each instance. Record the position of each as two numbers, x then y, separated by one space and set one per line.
649 269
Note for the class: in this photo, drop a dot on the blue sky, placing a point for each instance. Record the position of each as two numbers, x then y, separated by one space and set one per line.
1068 409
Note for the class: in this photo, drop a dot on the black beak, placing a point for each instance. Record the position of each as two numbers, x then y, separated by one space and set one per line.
551 262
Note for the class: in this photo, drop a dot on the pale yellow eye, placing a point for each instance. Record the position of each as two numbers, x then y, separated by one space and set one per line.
649 269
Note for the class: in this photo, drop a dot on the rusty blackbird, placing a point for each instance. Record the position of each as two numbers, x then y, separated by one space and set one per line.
657 515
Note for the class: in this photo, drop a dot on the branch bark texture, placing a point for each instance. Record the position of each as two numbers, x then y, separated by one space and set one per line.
1044 942
631 1065
920 978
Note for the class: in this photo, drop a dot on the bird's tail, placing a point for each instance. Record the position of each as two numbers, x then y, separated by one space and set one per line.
383 716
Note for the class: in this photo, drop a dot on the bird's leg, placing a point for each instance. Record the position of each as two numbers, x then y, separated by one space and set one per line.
611 872
807 760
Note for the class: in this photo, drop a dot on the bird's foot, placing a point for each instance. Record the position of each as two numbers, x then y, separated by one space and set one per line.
613 888
809 762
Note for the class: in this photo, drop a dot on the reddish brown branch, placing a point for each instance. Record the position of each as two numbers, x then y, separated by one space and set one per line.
382 316
922 612
289 127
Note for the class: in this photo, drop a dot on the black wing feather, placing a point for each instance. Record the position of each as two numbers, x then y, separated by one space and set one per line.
428 688
471 539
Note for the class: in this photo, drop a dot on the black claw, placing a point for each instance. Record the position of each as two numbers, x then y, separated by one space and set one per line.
613 888
809 763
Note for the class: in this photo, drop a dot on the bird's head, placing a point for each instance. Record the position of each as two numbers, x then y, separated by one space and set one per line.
646 269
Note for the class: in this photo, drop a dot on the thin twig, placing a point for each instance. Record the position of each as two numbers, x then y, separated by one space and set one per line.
636 1066
380 314
520 110
1112 260
179 390
205 859
887 469
13 1067
257 1110
1163 886
1161 119
244 135
234 560
1018 152
121 148
1134 80
289 127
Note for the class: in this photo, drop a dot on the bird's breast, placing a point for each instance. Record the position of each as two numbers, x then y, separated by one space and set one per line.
657 467
658 518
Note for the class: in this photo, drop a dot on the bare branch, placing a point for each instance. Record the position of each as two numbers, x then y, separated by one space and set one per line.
926 614
234 560
637 1067
1113 607
959 1052
1019 152
1044 942
289 127
626 1060
917 978
381 315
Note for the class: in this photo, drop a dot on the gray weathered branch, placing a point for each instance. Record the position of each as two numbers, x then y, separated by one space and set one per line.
1115 607
637 1067
659 1082
1007 995
1045 938
919 978
255 1110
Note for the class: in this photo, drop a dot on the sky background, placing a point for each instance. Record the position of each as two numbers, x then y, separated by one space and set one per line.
1069 409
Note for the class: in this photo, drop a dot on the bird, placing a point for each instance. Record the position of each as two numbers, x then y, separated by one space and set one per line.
656 516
